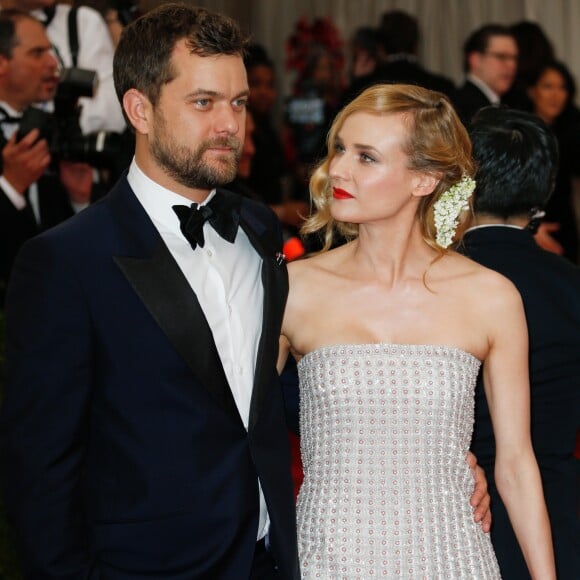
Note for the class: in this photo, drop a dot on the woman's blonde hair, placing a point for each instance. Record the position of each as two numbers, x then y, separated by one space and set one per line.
437 143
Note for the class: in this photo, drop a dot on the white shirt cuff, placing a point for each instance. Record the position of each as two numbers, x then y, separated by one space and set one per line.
17 199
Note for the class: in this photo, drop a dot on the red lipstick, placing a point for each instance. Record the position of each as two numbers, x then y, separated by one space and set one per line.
338 193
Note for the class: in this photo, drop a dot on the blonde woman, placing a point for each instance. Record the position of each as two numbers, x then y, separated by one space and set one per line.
390 330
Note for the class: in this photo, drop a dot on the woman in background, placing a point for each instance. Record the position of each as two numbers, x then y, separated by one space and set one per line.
552 93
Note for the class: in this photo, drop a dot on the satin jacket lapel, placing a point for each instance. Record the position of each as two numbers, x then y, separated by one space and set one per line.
275 283
156 278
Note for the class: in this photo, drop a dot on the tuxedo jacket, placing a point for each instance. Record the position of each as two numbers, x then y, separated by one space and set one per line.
124 455
17 226
468 100
550 289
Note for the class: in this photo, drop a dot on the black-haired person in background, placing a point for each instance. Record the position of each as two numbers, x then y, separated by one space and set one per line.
534 50
552 90
398 42
263 169
516 155
364 52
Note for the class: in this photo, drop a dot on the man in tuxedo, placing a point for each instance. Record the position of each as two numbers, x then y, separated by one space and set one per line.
33 197
143 431
517 157
490 60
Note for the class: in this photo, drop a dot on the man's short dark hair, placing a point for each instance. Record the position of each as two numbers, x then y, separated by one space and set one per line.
8 38
399 32
517 159
143 57
478 40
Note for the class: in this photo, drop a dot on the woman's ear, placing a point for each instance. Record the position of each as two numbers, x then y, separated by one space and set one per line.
425 184
138 109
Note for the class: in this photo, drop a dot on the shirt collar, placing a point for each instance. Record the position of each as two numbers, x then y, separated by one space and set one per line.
9 110
493 226
491 95
39 14
158 200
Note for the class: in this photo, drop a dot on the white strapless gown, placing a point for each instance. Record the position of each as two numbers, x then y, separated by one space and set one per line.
384 434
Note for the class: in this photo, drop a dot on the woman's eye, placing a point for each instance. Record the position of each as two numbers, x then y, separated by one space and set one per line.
367 158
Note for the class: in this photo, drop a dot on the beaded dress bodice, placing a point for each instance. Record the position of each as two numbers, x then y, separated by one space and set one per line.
384 434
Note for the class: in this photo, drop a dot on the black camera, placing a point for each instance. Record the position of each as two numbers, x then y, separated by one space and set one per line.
62 130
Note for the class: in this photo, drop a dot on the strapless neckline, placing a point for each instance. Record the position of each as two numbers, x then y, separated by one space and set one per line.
409 348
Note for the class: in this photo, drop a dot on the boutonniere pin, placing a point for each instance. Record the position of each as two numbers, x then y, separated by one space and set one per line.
280 258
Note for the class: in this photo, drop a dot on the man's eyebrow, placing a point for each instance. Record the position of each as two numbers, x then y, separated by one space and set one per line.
212 93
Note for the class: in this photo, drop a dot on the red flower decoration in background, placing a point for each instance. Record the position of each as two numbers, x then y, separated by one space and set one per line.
321 32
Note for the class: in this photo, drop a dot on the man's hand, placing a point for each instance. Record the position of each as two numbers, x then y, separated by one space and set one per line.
77 178
25 161
480 498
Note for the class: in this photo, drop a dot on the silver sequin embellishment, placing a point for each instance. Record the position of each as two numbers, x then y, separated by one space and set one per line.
385 429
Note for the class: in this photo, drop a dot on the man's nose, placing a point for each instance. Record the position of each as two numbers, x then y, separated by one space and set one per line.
51 60
228 120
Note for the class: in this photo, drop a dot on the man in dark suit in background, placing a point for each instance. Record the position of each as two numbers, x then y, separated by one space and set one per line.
398 36
490 60
32 197
517 158
142 430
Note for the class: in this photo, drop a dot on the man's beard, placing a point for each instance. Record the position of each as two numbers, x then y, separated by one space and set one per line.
187 166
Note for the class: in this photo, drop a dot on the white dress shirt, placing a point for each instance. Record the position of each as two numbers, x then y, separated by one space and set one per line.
226 279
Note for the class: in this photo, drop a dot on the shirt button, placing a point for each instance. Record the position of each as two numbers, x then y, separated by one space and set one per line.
209 253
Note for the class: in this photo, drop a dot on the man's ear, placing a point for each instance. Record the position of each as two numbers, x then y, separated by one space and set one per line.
425 184
138 109
474 61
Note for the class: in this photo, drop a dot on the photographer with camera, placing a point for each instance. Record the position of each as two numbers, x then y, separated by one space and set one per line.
81 39
34 195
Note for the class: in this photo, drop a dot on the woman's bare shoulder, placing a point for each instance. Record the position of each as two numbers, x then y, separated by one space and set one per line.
321 263
486 286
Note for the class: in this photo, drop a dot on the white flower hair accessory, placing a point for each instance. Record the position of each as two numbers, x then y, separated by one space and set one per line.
448 207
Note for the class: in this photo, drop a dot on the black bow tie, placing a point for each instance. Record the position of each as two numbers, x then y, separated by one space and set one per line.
222 212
